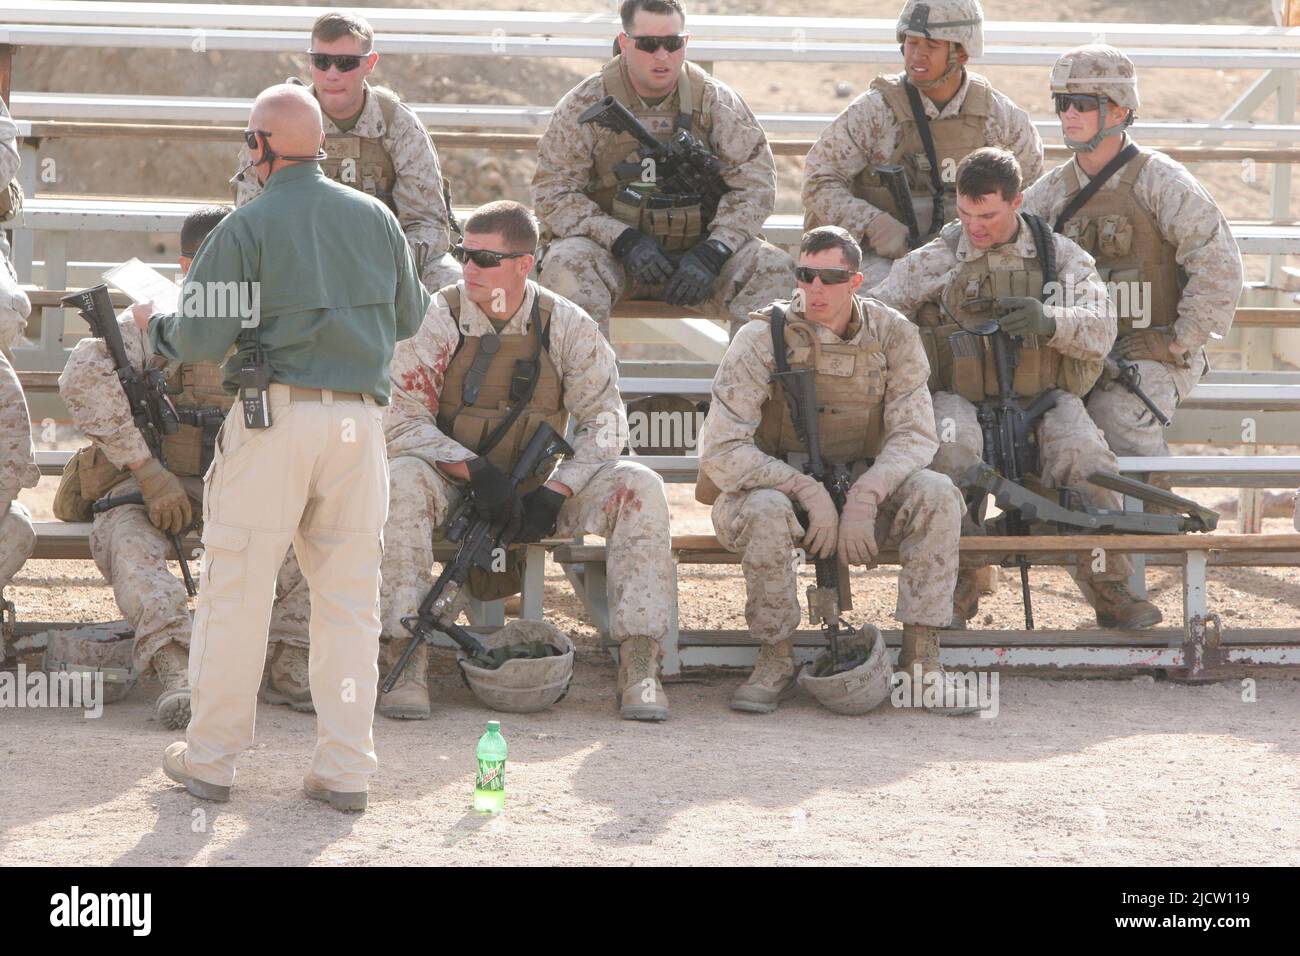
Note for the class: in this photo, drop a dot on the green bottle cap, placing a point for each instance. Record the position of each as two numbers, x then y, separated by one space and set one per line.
494 726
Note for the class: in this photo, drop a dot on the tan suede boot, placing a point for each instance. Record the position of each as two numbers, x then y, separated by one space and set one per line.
641 695
171 665
966 598
919 657
771 680
1117 607
409 699
288 683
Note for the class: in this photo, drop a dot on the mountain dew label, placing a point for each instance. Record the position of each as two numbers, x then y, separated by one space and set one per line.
491 775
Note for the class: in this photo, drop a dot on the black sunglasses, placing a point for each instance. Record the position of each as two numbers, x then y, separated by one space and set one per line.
828 276
484 258
344 61
250 137
1083 102
650 44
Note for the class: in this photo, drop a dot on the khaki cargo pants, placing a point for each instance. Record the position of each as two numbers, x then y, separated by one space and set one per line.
317 478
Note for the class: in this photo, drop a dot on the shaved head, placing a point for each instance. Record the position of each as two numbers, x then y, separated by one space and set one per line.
293 118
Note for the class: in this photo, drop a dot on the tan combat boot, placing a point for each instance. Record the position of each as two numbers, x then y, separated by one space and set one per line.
641 695
966 598
772 678
1117 607
288 683
918 657
409 699
171 665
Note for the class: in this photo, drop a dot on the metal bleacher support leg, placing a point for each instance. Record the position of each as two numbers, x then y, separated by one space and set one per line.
1194 593
531 604
672 662
1137 582
487 613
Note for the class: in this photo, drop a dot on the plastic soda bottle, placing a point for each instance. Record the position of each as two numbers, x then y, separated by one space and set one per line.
490 782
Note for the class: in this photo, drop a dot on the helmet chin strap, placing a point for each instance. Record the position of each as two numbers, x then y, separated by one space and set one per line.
953 67
1087 146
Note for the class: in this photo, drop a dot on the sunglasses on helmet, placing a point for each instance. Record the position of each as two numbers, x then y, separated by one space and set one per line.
650 44
484 258
828 276
346 62
1083 102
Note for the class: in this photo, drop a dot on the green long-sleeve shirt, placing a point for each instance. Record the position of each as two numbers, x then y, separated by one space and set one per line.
327 272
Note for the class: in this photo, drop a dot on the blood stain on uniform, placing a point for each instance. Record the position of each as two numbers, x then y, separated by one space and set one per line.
623 497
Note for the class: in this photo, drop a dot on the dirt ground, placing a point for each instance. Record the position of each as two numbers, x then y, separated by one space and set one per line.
1122 772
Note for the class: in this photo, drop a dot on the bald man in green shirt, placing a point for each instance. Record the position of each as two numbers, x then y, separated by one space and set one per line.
317 279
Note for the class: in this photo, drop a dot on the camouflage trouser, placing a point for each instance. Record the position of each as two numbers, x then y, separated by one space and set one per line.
439 271
133 556
17 541
588 274
1128 425
922 518
1070 448
623 502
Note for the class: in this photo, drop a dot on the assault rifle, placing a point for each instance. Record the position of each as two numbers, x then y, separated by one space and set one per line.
831 593
1131 378
479 540
1011 453
894 178
682 166
147 395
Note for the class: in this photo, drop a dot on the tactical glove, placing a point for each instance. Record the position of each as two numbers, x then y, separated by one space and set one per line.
1151 344
643 257
857 538
493 494
823 519
165 499
541 510
887 237
696 273
1026 317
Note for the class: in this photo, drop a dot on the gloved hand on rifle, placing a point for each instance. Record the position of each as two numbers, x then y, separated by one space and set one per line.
493 494
1156 345
165 499
887 236
696 273
823 519
643 257
1026 317
541 511
857 544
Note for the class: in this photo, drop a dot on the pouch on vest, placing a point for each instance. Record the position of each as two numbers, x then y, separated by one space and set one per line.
87 477
11 201
1114 236
495 585
1082 231
967 366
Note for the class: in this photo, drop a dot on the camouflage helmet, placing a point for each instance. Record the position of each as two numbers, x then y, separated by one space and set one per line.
957 21
1097 68
1104 72
860 689
521 684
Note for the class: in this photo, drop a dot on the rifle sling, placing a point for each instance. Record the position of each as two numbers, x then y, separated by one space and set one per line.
1087 192
927 141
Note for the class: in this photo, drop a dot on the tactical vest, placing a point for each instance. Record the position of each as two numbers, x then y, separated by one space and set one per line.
954 138
962 362
850 387
1123 237
362 162
472 423
189 450
618 187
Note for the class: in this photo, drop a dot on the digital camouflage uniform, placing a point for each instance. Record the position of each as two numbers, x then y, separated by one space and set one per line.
17 455
918 510
1071 447
620 500
128 550
572 195
1153 223
840 187
404 174
10 161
